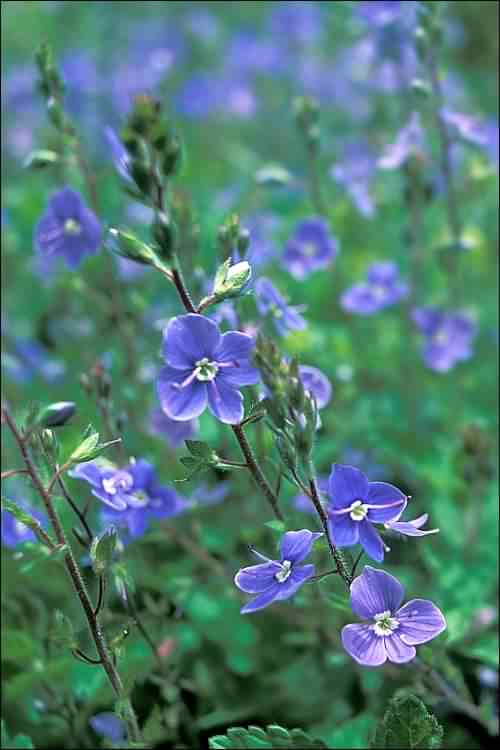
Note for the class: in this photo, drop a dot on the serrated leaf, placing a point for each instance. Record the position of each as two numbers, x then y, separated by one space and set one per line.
199 448
254 738
408 724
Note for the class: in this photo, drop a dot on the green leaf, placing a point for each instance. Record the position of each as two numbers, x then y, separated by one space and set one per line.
17 647
90 447
62 633
273 736
102 550
19 741
408 724
199 448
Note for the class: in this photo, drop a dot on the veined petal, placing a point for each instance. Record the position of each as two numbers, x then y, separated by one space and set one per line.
397 651
189 338
343 530
375 591
238 376
114 501
224 402
296 545
371 541
363 645
419 621
88 471
261 601
345 485
181 404
411 528
256 578
298 577
234 346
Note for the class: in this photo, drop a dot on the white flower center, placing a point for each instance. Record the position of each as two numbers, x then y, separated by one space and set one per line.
385 624
72 227
20 527
309 249
379 292
276 311
440 338
206 370
120 481
285 572
358 511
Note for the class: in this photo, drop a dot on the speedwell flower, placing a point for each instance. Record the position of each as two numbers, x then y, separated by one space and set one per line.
410 528
269 300
204 367
310 248
68 228
356 504
275 580
382 288
448 336
392 631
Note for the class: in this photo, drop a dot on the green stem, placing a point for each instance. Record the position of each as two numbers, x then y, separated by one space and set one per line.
77 581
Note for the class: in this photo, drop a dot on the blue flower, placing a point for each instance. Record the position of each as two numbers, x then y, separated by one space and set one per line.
68 228
354 172
356 504
310 248
383 288
172 430
278 580
269 300
448 336
204 368
409 143
108 725
15 532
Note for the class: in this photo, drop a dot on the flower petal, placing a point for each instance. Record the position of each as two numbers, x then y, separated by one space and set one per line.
114 501
66 204
371 541
256 578
411 528
89 471
261 601
298 577
296 545
241 374
397 651
189 338
363 645
382 493
343 530
181 404
419 621
345 485
225 402
375 591
234 346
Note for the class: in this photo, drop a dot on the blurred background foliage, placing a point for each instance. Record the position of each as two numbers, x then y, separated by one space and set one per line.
432 434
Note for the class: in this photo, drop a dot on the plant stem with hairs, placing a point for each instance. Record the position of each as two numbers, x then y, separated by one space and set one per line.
75 575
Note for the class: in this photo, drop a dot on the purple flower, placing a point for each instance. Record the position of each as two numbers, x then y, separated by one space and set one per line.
172 430
132 494
250 53
380 14
15 532
467 127
448 336
108 725
409 142
30 359
354 172
310 248
299 21
410 528
273 580
356 504
269 300
383 288
119 154
317 384
392 631
198 97
204 367
68 228
237 98
203 25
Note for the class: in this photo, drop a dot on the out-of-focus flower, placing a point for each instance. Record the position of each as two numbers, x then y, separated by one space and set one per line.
108 725
29 359
203 25
68 228
467 127
383 288
278 580
198 98
356 504
269 300
16 532
299 22
392 631
119 153
448 336
172 430
409 143
354 172
310 248
250 53
204 368
317 384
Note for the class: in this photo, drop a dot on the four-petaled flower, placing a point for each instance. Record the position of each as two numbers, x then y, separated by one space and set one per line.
132 495
448 336
310 248
382 289
68 228
317 384
356 504
392 631
275 580
203 367
269 300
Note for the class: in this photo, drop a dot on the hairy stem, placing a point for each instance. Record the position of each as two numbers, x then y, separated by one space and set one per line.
256 471
76 580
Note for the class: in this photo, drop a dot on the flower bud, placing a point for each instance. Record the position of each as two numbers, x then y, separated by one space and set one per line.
56 415
49 443
172 157
165 234
231 280
129 246
40 158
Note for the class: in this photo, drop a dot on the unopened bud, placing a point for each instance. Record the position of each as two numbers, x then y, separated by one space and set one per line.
40 159
56 415
164 233
230 280
129 246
